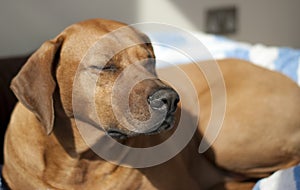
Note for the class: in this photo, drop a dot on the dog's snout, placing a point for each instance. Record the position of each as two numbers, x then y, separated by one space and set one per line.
164 99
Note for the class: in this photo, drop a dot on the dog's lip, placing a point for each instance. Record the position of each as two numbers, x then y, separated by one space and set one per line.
166 125
116 134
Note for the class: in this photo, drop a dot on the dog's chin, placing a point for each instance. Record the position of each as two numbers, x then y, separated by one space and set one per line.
117 134
166 125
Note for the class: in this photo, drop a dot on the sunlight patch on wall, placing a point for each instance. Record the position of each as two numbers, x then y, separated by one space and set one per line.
162 12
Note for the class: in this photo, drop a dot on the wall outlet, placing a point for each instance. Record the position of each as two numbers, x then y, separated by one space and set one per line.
221 20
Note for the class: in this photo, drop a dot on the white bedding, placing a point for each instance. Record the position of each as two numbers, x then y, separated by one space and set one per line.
179 48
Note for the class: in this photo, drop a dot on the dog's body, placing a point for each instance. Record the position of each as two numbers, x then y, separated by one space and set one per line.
63 160
260 132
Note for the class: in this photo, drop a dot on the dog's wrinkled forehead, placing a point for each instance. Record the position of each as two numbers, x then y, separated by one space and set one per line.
119 44
103 39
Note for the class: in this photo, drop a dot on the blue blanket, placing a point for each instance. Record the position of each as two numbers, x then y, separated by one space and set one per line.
288 179
3 185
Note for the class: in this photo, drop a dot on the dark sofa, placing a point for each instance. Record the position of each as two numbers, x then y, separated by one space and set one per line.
9 67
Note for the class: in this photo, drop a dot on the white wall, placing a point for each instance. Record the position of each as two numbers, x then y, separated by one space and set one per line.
25 24
271 22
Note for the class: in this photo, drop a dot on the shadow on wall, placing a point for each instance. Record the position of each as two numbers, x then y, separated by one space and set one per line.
26 24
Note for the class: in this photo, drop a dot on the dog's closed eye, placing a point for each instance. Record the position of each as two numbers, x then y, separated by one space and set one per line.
107 67
110 67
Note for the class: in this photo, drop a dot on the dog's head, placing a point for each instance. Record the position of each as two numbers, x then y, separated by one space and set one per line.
120 84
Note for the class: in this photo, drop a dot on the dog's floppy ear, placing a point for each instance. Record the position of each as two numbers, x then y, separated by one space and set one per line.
34 85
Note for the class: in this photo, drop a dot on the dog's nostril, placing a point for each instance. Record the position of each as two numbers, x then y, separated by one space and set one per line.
157 103
174 107
164 99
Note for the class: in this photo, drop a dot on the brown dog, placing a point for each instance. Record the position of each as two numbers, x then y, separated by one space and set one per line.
43 146
45 150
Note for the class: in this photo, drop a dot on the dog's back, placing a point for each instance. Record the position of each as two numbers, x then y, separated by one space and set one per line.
261 129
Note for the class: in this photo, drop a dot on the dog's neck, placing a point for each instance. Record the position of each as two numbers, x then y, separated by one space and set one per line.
71 164
79 162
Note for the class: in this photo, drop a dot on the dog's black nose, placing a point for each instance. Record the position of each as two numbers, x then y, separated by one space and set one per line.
164 99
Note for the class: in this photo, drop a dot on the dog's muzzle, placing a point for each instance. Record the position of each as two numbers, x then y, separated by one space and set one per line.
162 101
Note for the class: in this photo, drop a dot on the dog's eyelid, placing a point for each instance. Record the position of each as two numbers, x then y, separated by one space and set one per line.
105 67
111 67
96 67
